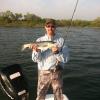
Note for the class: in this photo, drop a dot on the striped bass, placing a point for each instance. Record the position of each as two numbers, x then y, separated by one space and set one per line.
43 45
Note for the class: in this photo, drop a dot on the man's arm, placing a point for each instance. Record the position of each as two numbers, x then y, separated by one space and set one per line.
36 56
63 55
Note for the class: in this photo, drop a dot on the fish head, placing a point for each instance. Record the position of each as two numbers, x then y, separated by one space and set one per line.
26 46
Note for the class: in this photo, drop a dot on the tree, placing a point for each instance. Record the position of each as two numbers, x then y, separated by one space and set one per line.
6 16
96 22
30 17
18 16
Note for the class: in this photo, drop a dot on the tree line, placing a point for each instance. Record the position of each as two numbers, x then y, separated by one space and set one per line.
9 18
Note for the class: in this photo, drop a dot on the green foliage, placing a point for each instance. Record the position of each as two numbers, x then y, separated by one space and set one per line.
63 22
31 20
81 23
96 22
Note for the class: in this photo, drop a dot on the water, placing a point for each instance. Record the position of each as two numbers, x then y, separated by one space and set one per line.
81 73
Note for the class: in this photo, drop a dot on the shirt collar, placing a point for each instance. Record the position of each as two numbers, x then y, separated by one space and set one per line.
50 39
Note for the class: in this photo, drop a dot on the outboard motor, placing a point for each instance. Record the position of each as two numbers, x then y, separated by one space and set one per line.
13 82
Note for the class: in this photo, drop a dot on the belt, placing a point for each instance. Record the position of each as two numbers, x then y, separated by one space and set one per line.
53 70
47 71
56 68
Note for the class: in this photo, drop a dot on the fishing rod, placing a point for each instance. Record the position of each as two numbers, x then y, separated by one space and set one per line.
71 20
67 30
76 4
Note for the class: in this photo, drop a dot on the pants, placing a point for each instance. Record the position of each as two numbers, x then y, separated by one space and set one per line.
47 78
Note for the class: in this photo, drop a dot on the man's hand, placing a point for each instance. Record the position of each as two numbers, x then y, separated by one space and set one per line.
55 49
35 48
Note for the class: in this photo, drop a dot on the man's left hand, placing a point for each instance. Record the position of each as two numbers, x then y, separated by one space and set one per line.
55 49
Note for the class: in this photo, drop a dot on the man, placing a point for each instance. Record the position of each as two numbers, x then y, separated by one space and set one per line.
50 62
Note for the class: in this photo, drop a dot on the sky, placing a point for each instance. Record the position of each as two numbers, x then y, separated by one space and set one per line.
57 9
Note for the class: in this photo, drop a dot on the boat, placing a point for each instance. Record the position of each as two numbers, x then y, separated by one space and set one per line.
51 97
13 82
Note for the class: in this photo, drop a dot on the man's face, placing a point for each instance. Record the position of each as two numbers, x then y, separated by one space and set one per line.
50 29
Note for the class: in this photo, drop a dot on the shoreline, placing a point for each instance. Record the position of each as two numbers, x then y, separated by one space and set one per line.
39 26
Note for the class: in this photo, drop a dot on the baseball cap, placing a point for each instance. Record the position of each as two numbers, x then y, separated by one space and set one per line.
50 21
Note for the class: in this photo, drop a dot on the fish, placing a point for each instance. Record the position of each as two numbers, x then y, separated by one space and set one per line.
42 45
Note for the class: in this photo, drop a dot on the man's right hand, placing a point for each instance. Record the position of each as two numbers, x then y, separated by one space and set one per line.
35 48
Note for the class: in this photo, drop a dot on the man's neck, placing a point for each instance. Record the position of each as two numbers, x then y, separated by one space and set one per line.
51 35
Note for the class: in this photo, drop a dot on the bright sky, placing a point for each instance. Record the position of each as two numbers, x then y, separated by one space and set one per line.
58 9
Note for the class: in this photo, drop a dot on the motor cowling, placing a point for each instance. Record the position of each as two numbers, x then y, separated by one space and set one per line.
14 83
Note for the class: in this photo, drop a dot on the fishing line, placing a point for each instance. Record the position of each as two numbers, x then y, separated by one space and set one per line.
72 16
67 30
71 20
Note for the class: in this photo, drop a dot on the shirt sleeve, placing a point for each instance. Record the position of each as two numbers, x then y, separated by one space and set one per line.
60 43
63 55
36 56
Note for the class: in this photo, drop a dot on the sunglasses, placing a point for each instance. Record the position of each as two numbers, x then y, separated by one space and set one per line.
52 26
